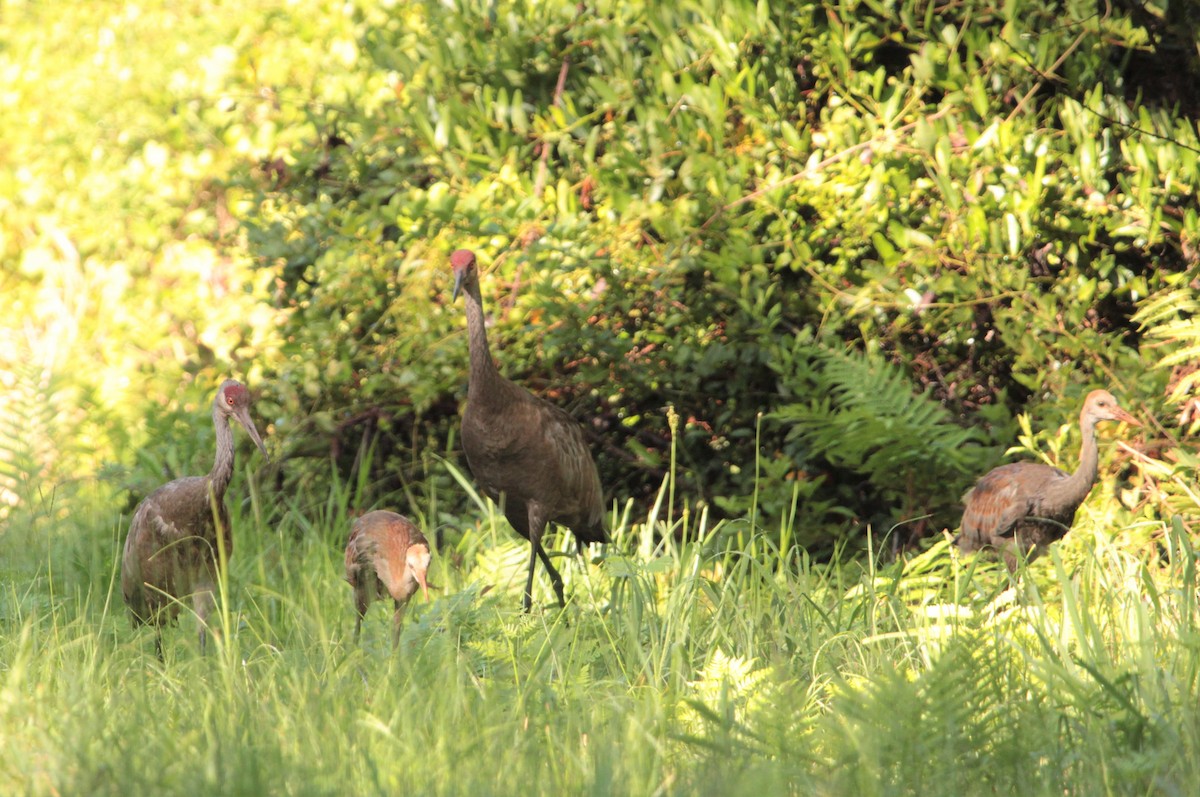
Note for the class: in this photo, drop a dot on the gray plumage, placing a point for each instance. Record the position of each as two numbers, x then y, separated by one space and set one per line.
173 548
1020 508
387 556
527 455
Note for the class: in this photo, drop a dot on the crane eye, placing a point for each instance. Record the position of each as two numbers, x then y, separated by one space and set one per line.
229 400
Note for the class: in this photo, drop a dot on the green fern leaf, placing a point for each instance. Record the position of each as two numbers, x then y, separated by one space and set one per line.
871 421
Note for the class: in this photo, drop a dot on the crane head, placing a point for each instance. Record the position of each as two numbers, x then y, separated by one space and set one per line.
233 400
417 561
1102 406
463 263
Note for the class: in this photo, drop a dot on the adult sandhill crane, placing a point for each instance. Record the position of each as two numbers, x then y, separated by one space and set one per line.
173 549
526 454
1020 508
386 555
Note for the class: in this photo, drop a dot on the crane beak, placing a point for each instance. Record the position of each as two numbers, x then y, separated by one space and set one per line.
243 416
1119 414
420 574
458 278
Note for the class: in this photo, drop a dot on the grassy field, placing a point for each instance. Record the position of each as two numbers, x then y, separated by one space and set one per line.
713 667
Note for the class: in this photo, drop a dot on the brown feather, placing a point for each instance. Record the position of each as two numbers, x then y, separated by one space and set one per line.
172 552
386 556
526 454
171 549
532 453
1020 508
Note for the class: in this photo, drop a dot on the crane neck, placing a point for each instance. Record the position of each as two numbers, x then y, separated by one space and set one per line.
484 374
1079 483
222 469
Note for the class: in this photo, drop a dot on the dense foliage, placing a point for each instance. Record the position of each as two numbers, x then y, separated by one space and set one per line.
720 208
844 244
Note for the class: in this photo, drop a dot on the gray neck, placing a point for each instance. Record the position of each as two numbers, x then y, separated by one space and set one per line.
222 470
485 378
1076 487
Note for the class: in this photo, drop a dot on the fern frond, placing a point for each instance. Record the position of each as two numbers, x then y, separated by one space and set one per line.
28 434
1165 307
1173 318
871 421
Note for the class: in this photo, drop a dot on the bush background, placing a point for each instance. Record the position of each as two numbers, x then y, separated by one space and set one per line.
846 243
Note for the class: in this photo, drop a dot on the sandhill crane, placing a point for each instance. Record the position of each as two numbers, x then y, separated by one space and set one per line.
386 555
1020 508
526 454
180 532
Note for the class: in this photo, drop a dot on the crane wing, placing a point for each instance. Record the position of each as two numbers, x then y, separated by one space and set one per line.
577 475
999 501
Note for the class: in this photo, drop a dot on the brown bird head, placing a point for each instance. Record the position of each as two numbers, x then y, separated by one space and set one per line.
1101 406
463 263
233 400
417 560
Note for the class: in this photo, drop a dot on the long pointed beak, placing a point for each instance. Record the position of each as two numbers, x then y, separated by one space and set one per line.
243 416
420 574
1121 415
458 278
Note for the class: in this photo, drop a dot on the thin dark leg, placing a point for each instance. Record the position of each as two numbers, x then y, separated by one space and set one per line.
535 543
555 579
158 642
537 527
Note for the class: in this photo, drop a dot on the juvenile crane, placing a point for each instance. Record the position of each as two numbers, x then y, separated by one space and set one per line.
526 454
171 551
1020 508
386 555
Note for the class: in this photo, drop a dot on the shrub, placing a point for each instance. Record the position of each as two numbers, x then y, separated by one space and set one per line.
670 199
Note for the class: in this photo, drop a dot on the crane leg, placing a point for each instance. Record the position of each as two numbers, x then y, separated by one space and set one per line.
535 543
555 578
537 527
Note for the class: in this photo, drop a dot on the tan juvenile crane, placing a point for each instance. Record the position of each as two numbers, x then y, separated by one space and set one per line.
527 455
1020 508
171 551
386 556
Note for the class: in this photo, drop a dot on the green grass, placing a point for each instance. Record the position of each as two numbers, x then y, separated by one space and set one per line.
716 667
